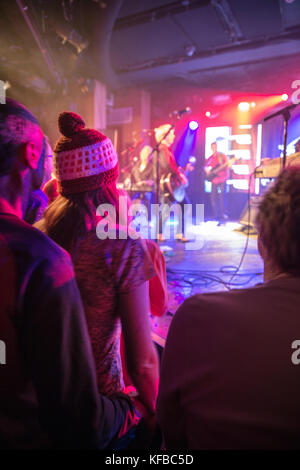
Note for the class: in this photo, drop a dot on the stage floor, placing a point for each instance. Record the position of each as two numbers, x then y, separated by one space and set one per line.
209 268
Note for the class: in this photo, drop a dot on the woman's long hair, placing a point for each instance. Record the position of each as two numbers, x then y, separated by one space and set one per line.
66 219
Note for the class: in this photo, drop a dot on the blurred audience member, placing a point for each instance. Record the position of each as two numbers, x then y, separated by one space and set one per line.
158 288
38 200
112 274
229 378
48 392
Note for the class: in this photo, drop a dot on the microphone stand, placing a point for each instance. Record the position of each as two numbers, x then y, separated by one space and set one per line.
285 112
155 151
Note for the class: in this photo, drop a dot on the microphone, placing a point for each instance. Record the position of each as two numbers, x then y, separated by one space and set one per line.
180 112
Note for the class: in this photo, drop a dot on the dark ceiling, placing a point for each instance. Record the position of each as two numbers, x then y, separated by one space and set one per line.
249 45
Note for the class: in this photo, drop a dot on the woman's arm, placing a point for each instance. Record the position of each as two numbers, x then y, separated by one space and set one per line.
140 354
158 290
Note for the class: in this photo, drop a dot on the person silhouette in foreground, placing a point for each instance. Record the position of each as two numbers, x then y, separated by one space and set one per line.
230 376
48 388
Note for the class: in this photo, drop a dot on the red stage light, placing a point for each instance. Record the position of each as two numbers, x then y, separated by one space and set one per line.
284 97
208 114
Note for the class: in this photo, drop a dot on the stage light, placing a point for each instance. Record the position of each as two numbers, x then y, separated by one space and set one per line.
253 104
244 106
208 114
284 97
67 34
190 50
193 125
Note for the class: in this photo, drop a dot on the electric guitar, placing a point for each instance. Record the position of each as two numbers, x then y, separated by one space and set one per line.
173 185
214 172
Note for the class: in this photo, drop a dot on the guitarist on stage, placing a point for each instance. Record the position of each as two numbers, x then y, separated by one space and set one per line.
167 164
218 182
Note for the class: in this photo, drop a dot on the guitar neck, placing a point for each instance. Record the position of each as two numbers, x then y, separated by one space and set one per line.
186 170
226 164
223 166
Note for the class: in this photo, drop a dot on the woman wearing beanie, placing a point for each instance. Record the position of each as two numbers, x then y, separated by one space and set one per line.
112 274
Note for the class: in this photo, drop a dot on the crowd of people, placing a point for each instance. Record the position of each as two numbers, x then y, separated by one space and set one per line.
81 369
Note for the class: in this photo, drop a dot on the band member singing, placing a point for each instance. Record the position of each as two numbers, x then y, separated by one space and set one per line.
167 164
218 182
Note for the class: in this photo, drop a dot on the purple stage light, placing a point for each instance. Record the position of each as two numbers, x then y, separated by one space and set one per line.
193 125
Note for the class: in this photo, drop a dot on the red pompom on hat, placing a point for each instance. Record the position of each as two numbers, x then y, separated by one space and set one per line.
84 159
69 123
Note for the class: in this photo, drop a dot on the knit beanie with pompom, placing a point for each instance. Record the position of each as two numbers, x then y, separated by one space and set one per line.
84 158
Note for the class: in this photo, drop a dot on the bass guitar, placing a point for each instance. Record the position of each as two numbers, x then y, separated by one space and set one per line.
214 172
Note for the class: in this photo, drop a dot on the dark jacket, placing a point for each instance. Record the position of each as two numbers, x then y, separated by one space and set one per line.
48 391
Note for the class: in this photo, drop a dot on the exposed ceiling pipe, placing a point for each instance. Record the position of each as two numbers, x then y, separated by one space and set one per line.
102 38
242 45
160 12
47 57
228 19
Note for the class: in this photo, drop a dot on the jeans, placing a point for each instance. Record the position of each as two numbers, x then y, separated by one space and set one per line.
164 214
217 200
